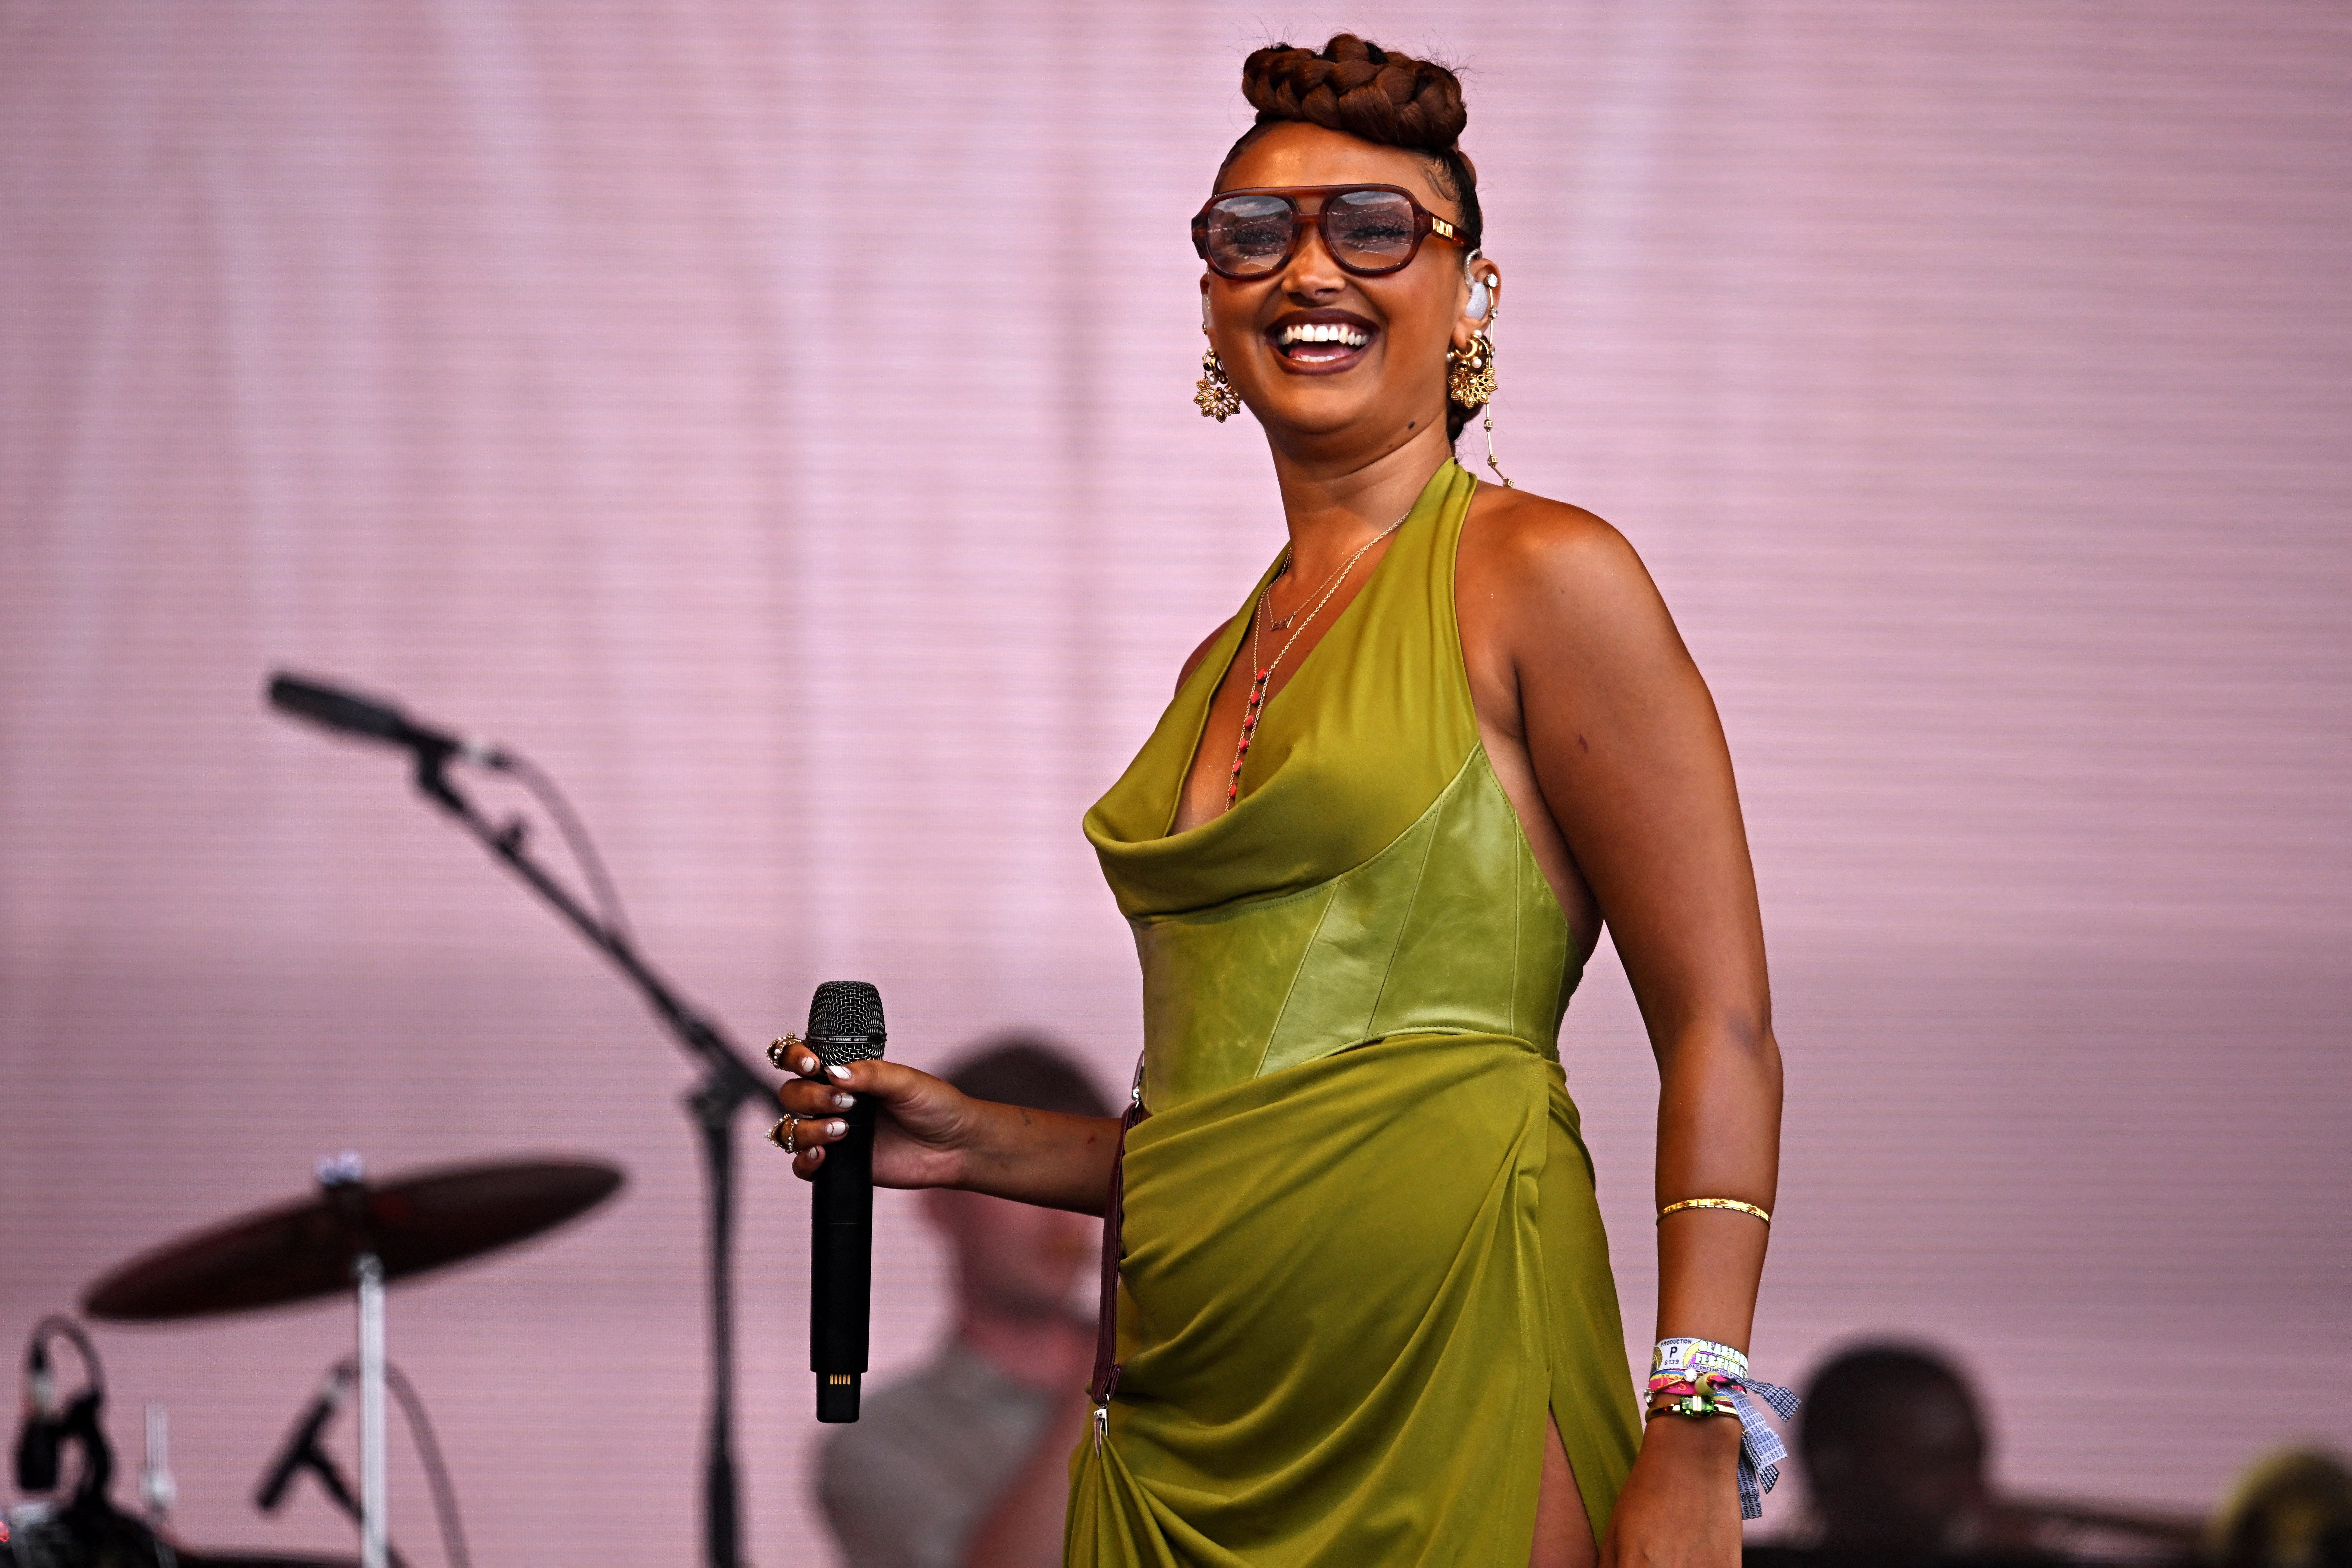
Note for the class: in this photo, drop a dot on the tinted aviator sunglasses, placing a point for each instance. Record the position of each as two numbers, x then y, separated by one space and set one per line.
1370 230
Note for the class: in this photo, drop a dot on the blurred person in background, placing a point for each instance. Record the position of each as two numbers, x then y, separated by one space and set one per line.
967 1461
1897 1454
2291 1509
1894 1448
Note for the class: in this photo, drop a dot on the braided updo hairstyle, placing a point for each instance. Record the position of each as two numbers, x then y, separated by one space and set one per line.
1357 87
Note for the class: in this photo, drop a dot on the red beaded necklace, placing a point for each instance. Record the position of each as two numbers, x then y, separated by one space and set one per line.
1258 615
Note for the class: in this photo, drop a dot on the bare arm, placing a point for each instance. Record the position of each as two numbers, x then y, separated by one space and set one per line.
1625 747
928 1133
1633 767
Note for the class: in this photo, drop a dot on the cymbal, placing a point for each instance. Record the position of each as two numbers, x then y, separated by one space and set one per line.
294 1252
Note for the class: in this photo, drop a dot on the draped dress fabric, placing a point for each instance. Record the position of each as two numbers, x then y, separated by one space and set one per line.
1362 1254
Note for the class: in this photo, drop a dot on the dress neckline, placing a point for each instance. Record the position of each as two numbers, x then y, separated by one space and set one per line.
1229 645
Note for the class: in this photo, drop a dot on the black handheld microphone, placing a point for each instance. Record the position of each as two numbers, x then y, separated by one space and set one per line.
302 1442
349 712
845 1024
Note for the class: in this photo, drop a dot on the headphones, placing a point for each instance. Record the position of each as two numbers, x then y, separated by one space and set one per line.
49 1425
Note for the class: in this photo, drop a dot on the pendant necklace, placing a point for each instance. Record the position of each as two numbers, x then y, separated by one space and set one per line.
1259 613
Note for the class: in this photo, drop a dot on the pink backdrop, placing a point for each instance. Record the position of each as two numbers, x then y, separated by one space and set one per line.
776 421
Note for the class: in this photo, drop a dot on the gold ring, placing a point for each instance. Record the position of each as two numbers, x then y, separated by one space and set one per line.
786 1134
781 1052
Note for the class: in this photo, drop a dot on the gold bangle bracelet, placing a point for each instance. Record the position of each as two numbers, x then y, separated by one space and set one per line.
1733 1203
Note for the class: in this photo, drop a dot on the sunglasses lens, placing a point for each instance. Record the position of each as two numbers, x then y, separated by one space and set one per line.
1248 235
1370 230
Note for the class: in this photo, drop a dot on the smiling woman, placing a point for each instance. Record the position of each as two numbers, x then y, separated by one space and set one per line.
1362 1307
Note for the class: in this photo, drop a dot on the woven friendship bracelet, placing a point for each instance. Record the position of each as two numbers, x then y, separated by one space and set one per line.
1733 1203
1723 1371
1692 1405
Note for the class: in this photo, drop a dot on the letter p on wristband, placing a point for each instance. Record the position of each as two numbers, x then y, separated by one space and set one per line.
1720 1372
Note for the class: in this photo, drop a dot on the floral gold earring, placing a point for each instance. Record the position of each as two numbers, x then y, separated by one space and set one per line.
1470 382
1470 372
1216 396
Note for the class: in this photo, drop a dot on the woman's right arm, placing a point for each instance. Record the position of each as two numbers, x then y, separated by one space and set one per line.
928 1134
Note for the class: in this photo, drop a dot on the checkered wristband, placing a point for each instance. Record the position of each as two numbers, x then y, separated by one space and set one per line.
1717 1373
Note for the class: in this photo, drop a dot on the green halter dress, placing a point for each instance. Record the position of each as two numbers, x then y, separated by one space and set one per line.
1362 1254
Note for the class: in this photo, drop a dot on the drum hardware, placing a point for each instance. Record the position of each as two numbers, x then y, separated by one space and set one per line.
51 1427
728 1081
87 1531
306 1250
303 1452
349 1234
157 1490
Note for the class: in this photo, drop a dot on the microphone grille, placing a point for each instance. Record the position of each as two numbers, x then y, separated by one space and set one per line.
844 1021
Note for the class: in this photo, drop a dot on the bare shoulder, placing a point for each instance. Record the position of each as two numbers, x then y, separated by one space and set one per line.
1192 660
1533 564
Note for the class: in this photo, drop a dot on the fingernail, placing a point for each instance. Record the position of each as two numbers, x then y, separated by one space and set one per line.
815 1156
807 1067
844 1101
837 1129
838 1073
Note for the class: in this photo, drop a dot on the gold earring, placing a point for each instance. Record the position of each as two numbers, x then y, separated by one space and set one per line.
1470 375
1470 382
1216 396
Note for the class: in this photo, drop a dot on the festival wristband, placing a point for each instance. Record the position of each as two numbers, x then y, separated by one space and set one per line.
1710 1369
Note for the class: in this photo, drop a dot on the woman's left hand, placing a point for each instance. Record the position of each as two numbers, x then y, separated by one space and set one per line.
1680 1508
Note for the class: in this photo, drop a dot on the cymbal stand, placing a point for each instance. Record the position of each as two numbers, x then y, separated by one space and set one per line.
368 1272
727 1084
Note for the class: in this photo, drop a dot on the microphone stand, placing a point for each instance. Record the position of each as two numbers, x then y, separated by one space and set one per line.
321 1464
727 1084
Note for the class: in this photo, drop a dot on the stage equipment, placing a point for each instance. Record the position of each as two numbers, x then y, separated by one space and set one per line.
99 1535
49 1425
88 1530
350 713
728 1080
305 1249
845 1024
349 1236
301 1450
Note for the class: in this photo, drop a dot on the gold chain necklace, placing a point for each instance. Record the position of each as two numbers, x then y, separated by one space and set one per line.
1284 623
1258 614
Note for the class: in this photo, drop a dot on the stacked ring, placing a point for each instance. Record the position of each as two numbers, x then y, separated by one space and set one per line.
786 1134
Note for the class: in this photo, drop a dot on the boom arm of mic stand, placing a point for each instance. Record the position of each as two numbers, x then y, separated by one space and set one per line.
728 1083
702 1039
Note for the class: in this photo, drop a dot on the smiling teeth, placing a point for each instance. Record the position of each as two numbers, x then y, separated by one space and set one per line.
1325 332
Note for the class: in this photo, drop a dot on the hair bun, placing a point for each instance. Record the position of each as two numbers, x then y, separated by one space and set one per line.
1359 88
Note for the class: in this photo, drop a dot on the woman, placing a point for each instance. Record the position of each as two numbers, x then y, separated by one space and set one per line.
1365 1313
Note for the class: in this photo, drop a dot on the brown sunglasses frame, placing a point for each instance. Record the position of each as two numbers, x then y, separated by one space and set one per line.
1426 223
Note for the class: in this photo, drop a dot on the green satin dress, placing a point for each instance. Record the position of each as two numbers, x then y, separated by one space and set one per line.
1362 1254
